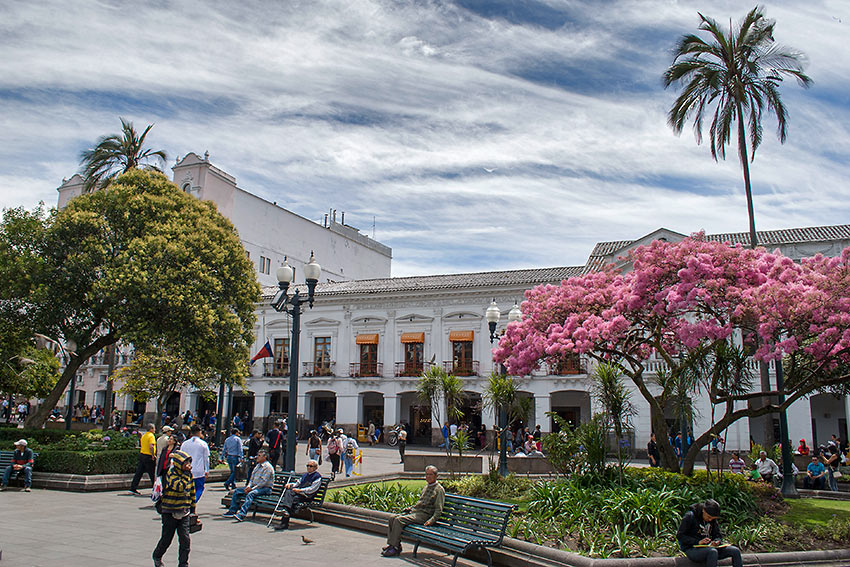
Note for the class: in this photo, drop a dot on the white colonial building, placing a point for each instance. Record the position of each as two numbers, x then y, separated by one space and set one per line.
365 342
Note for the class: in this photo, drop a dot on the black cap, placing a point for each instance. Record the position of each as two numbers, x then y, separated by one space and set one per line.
711 507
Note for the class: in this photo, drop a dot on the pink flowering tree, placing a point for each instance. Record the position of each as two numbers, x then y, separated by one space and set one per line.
689 303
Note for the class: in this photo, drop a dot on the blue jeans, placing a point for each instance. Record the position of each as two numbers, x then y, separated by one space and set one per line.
239 494
232 462
27 476
199 487
710 555
349 465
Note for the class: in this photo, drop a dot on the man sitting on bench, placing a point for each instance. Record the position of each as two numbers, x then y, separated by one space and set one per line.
425 512
21 462
262 480
303 491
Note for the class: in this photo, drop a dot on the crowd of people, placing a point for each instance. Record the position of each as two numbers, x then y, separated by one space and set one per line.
12 410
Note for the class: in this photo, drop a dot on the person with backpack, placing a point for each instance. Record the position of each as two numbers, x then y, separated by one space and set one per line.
175 505
334 450
276 439
351 447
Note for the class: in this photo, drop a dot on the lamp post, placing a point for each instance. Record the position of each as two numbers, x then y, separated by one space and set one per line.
493 315
292 304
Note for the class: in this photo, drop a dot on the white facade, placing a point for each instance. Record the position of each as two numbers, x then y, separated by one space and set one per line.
269 232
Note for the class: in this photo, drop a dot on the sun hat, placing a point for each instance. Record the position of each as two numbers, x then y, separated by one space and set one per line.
21 442
167 428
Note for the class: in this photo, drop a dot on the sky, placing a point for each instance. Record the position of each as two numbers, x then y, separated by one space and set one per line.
476 134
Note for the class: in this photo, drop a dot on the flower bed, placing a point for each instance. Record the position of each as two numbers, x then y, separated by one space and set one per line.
92 452
598 516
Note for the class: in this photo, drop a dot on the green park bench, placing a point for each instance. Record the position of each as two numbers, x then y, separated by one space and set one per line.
269 502
6 460
465 524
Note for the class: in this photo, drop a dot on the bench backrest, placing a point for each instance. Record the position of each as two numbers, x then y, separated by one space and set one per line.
476 516
319 498
6 458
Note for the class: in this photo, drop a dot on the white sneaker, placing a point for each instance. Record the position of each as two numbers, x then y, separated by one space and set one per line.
27 489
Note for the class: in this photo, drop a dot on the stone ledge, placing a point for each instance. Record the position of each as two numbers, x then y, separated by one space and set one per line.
100 482
518 553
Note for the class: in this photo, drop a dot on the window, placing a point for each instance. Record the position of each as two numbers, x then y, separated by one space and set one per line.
322 356
369 360
280 366
462 358
265 265
103 378
187 187
413 353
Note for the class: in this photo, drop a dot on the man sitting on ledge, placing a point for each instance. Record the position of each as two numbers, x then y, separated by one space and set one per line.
425 512
303 491
262 480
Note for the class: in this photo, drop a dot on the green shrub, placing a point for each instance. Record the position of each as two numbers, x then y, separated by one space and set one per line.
87 462
495 487
384 497
40 436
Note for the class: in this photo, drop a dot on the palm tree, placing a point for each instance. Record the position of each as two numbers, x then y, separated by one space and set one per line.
117 154
739 73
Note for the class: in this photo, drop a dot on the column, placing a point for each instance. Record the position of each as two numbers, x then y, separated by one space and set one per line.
799 422
846 434
302 407
346 412
262 404
488 417
542 404
391 410
187 401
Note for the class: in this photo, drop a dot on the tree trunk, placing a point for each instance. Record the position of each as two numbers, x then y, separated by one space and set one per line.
37 419
742 154
107 398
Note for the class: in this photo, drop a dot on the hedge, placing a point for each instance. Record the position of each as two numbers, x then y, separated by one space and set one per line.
41 436
87 462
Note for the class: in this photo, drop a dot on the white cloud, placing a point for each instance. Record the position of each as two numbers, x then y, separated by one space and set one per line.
476 141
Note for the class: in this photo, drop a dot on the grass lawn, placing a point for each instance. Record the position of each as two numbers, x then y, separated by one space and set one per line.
815 512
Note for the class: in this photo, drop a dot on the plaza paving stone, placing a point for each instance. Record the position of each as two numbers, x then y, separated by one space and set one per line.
53 528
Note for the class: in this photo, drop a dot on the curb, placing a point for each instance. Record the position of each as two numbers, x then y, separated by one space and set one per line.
100 482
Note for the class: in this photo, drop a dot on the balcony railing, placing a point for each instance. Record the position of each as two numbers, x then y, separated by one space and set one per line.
467 368
570 366
318 368
411 368
361 369
275 369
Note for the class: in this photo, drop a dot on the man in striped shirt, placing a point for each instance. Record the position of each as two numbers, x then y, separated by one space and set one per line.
737 464
262 480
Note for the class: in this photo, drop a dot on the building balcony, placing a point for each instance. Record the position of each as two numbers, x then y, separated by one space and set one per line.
275 369
466 368
363 369
571 366
411 368
312 369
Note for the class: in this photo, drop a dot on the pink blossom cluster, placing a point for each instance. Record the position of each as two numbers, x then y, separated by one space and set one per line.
679 295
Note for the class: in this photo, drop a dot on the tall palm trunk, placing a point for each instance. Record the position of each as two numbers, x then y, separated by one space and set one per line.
742 153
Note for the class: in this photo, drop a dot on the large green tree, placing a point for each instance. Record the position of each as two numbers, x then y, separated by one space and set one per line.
737 72
144 263
116 154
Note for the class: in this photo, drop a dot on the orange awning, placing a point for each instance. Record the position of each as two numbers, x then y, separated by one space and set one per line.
413 337
461 336
367 339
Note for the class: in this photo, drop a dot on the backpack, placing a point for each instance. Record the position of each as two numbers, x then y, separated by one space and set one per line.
333 446
349 450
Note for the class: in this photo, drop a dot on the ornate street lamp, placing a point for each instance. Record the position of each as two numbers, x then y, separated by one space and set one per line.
292 304
493 315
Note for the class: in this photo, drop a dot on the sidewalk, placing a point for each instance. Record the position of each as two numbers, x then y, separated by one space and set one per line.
106 529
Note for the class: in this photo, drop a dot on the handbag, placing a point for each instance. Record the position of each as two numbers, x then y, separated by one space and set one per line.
194 524
836 474
156 491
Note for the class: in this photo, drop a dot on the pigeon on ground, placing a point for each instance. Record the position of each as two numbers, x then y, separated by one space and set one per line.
306 541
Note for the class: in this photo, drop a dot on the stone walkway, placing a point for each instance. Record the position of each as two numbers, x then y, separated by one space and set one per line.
51 528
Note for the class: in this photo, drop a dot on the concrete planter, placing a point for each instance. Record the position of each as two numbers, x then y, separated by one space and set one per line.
529 465
101 482
417 463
